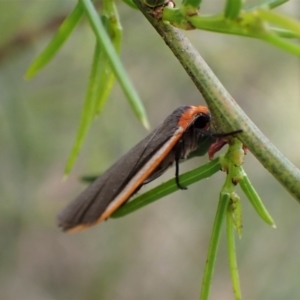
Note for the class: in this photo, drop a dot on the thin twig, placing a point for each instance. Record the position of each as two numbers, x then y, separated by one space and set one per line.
226 111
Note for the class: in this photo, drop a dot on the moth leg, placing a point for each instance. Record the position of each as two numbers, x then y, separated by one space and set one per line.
178 151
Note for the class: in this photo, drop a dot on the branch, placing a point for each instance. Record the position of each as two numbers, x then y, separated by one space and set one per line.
227 113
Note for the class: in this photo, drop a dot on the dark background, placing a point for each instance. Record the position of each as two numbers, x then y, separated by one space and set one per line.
158 252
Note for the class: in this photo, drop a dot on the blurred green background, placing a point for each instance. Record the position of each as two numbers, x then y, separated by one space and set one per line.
158 252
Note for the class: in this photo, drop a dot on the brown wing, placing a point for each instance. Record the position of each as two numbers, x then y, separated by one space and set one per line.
86 209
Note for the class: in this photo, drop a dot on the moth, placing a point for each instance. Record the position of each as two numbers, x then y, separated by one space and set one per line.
176 138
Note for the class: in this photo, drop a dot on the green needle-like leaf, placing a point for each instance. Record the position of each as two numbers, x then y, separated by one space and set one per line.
284 44
252 23
284 33
236 213
113 26
213 245
265 4
190 7
168 187
255 200
114 60
233 8
56 42
88 111
106 82
280 20
232 256
275 3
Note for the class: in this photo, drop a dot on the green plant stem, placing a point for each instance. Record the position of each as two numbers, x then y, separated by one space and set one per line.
213 245
225 110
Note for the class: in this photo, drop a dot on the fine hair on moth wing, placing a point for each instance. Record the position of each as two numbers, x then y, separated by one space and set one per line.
178 136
